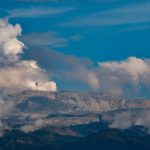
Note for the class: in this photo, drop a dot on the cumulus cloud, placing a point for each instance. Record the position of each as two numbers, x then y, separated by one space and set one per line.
135 67
25 75
125 77
129 77
17 75
10 47
66 68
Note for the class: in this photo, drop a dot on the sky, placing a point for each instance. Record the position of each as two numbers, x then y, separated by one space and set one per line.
87 45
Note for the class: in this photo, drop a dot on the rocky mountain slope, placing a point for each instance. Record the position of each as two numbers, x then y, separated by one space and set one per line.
66 102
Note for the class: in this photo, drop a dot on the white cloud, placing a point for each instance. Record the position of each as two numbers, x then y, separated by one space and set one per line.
17 75
125 77
67 68
130 14
135 67
89 77
28 73
56 122
129 77
10 46
36 12
127 119
122 121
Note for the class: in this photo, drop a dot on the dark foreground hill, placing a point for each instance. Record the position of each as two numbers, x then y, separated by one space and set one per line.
107 139
112 140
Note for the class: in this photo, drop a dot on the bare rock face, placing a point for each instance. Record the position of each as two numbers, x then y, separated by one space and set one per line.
72 102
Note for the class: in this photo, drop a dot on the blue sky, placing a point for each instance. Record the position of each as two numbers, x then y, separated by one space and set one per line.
111 36
97 30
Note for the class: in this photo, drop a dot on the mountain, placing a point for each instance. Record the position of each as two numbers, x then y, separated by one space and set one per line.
112 139
66 120
64 108
74 102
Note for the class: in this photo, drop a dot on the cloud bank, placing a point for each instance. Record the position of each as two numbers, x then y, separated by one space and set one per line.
40 123
125 77
129 77
66 68
128 119
17 75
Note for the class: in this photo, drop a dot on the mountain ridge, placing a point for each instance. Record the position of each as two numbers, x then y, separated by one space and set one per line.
87 101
